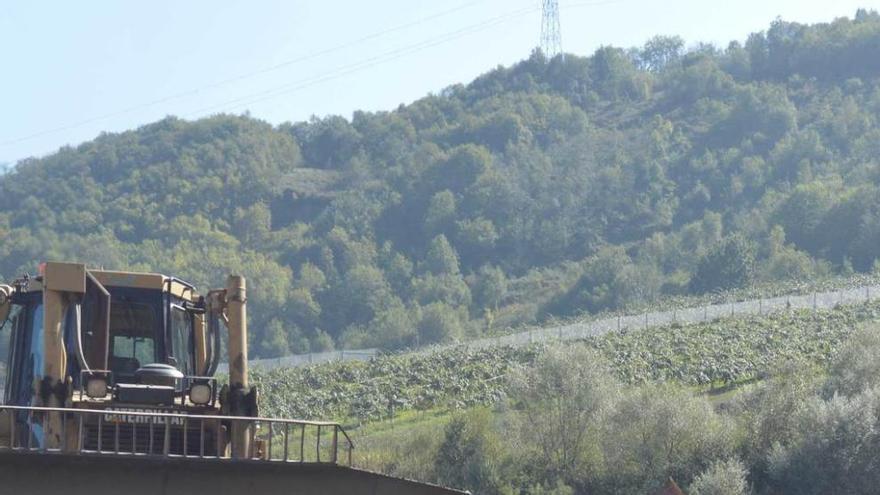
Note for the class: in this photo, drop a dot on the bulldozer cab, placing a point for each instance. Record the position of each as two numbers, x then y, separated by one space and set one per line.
123 338
144 326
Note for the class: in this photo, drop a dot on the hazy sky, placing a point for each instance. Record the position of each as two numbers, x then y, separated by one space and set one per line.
75 69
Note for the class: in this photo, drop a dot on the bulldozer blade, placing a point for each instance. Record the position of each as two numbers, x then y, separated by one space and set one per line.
50 474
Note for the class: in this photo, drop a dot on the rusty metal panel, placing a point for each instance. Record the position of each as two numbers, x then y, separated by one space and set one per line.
130 279
137 280
85 475
65 277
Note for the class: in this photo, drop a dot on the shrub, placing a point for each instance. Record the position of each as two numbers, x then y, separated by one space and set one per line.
722 478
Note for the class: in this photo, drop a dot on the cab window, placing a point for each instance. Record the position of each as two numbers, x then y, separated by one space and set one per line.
26 353
182 339
8 331
132 337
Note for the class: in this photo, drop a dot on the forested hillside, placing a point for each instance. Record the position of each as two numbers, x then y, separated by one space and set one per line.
552 187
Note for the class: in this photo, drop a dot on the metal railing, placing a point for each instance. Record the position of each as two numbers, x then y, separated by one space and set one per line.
172 435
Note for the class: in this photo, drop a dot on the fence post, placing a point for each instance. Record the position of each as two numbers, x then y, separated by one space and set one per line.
814 301
760 306
705 313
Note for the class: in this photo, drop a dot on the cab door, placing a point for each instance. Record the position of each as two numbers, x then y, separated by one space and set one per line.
182 340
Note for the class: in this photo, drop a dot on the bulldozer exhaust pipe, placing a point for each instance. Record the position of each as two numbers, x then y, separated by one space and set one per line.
236 312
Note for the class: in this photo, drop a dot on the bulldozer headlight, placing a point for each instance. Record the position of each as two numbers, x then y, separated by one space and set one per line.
96 387
200 393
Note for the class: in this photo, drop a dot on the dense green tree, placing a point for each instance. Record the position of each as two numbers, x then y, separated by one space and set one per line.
441 212
562 398
722 478
393 328
310 277
327 143
614 74
476 239
361 294
657 433
321 341
490 286
439 323
468 456
801 214
448 288
729 264
275 343
608 280
252 225
462 168
659 52
441 258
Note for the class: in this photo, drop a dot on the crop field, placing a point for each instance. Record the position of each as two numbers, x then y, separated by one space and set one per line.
718 352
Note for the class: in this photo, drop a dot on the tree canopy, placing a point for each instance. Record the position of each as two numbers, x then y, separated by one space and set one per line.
550 187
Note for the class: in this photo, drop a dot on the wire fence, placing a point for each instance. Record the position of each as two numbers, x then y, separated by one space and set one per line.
696 314
592 328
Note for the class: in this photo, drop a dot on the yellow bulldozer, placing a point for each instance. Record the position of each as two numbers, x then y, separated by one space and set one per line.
110 387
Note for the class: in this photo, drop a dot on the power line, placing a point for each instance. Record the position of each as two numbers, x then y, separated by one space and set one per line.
248 75
361 65
595 3
334 74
